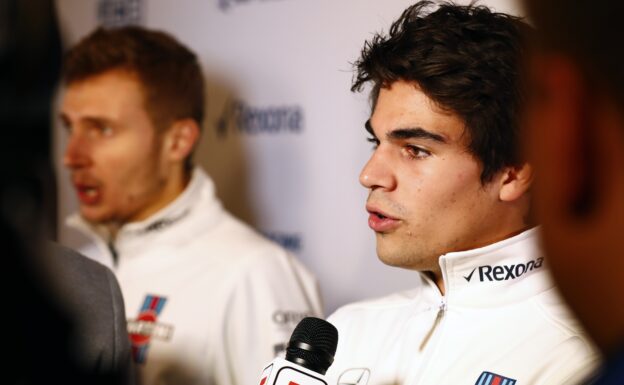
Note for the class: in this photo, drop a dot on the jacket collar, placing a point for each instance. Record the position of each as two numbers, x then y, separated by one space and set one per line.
196 203
505 272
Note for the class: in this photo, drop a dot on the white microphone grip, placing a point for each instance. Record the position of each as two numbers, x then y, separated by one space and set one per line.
282 372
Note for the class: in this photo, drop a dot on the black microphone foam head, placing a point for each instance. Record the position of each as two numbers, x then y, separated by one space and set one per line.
313 344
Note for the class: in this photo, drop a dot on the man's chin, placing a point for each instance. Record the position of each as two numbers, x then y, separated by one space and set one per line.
397 257
392 258
95 215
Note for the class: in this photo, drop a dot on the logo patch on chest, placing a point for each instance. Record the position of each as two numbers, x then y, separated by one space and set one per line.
146 326
489 378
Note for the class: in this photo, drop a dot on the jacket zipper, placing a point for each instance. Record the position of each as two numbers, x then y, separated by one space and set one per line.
114 252
436 322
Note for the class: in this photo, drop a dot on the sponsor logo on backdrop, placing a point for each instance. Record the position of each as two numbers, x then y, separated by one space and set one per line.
225 5
246 119
289 241
117 13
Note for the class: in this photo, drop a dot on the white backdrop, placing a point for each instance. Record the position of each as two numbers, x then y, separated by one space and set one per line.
284 137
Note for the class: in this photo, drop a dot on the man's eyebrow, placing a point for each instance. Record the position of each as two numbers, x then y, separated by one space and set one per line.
64 119
88 119
407 133
96 120
417 133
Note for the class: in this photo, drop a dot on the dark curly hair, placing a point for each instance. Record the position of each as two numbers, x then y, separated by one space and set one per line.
468 60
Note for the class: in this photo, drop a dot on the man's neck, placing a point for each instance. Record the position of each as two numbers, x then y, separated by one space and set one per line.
436 277
175 186
112 228
439 281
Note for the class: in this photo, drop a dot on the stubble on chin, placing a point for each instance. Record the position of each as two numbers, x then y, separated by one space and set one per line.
395 253
403 253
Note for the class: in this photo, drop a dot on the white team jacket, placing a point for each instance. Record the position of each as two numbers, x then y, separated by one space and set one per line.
500 322
208 300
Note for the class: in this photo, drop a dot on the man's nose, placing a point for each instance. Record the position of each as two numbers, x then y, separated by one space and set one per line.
77 152
377 173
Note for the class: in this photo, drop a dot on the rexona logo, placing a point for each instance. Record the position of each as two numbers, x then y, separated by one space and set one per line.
256 120
225 5
504 272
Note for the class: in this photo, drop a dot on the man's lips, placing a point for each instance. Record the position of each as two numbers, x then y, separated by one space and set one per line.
379 221
88 194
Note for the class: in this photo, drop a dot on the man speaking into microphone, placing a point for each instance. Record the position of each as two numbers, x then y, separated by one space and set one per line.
449 197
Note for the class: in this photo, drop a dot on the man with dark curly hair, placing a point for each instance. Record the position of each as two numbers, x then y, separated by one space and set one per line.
449 196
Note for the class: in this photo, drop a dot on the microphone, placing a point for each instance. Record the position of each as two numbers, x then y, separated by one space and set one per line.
309 354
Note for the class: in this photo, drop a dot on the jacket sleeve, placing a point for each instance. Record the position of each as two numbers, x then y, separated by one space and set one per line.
121 352
91 296
272 293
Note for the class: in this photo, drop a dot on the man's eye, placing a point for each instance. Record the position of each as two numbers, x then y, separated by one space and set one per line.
67 127
106 130
374 141
99 130
416 152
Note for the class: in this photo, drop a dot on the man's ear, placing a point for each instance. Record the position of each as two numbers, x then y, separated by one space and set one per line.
515 182
181 138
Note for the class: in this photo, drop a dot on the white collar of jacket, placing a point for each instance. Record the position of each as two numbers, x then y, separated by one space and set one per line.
502 273
196 209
